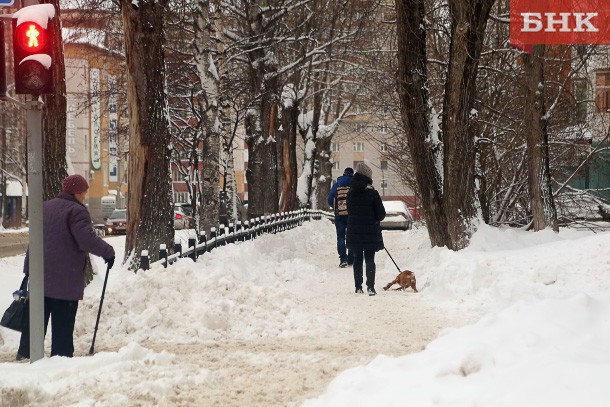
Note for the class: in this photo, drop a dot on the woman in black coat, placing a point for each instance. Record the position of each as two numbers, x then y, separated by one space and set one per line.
363 231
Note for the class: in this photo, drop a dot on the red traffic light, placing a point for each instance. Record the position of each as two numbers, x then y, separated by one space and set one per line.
30 37
33 49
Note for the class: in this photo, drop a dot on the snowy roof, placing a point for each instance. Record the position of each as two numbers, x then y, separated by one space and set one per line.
577 132
88 36
86 5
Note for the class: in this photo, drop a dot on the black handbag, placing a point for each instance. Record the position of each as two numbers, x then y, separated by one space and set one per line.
16 317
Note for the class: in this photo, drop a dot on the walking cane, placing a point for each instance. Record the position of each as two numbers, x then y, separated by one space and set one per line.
99 311
386 250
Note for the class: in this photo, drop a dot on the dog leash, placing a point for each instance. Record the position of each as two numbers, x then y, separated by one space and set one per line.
386 250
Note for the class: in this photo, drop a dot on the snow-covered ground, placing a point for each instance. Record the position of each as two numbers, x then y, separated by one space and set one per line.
516 319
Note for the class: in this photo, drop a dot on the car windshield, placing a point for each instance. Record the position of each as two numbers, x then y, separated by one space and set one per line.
119 215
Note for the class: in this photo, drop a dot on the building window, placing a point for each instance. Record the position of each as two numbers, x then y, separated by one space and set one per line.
335 147
356 164
358 146
336 165
181 197
383 147
360 127
384 183
602 92
383 129
384 165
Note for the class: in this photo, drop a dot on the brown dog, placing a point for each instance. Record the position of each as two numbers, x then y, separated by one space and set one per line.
405 279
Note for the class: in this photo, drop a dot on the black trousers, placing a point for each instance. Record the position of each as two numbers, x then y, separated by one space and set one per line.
63 316
369 258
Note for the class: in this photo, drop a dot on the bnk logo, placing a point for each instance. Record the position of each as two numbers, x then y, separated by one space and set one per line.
560 21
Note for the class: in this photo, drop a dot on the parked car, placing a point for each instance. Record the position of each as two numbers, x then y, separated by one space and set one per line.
187 209
117 222
397 216
242 210
181 221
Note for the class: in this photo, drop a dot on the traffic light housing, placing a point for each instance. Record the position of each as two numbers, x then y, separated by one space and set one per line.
32 49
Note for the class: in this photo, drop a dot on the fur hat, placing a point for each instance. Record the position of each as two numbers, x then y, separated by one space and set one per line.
348 171
75 184
365 170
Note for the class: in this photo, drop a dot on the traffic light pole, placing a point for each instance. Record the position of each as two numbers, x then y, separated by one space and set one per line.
36 258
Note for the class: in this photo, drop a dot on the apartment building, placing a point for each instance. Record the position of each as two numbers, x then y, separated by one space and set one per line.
96 146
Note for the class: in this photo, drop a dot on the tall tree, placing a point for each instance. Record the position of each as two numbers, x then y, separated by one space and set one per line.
453 210
261 123
421 131
544 213
54 117
149 211
468 23
287 136
206 57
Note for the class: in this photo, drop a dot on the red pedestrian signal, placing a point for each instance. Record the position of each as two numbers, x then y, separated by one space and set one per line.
32 47
31 37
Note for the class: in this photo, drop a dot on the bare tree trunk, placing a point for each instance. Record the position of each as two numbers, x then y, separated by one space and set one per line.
149 211
535 127
309 199
261 123
412 85
469 19
288 152
323 172
262 158
54 118
206 56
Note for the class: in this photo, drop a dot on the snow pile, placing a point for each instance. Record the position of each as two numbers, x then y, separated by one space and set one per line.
235 291
502 266
105 379
208 300
544 353
544 341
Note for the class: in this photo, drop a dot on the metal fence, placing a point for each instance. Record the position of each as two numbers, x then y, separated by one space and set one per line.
234 233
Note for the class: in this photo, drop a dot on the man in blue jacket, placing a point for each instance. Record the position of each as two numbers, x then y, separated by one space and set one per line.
337 199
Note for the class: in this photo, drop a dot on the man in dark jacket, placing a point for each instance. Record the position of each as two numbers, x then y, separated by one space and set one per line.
337 199
68 238
363 230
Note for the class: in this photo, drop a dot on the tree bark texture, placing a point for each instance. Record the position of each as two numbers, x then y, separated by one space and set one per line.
205 57
287 152
415 113
54 118
261 135
149 210
323 172
544 213
468 22
262 120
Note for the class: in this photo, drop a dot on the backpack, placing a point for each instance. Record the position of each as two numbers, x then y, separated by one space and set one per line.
341 201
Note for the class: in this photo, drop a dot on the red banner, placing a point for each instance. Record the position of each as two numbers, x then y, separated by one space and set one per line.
560 21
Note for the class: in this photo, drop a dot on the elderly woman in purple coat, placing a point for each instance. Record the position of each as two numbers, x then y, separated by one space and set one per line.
68 238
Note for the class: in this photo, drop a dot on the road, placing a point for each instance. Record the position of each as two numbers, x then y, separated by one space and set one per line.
12 244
